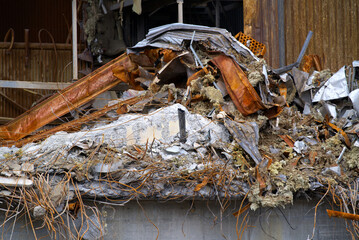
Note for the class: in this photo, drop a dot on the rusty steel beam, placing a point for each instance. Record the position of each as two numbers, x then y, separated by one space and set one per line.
68 99
74 123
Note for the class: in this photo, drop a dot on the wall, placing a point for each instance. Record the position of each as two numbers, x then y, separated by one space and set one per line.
333 22
202 220
44 66
335 27
261 22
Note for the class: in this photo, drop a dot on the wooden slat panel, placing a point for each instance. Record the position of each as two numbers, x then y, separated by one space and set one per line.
334 23
261 23
42 68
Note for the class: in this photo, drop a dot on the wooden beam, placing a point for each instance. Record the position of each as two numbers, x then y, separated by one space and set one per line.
34 85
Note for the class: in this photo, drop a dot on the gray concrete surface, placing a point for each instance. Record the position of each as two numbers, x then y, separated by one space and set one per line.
202 220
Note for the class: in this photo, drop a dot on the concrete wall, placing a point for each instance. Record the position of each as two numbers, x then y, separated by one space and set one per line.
203 220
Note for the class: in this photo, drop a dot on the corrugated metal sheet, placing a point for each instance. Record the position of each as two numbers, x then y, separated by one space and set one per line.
334 23
261 23
42 68
335 27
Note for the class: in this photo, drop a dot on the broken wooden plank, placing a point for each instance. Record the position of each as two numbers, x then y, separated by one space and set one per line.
33 85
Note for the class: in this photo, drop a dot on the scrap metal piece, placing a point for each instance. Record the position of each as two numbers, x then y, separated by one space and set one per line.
172 36
288 140
354 97
339 130
256 47
341 154
182 125
311 61
194 52
68 99
299 59
336 87
247 136
332 213
244 96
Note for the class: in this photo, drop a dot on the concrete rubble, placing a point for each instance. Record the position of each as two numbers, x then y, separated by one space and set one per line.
249 133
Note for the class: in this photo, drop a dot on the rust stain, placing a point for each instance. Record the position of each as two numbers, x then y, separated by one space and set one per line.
202 184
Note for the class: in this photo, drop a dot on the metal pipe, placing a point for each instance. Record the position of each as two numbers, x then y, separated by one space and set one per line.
341 154
27 48
180 11
74 41
217 14
194 52
299 59
305 46
182 125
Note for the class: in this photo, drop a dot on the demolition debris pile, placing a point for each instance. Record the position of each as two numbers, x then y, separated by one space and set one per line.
203 118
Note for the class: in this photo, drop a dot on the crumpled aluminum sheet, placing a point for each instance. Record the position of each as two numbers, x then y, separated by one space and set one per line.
171 36
336 87
300 80
247 136
354 97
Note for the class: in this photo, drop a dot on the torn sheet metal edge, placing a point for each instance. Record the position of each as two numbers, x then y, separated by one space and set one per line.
329 109
157 31
310 80
336 87
240 133
182 32
265 73
300 80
